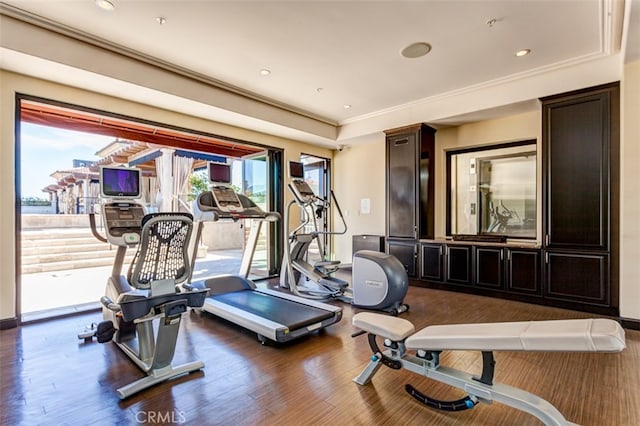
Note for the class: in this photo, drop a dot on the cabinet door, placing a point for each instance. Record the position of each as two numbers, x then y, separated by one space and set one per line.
523 272
489 267
401 186
405 252
577 174
432 262
426 172
577 277
459 264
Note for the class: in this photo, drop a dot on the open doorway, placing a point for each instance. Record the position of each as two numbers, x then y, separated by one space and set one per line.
61 268
316 174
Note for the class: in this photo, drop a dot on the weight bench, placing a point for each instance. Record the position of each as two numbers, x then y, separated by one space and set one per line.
575 335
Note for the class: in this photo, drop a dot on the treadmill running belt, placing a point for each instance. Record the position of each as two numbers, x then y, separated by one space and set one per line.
286 312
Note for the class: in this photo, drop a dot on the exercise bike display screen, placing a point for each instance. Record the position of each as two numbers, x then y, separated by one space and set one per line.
119 182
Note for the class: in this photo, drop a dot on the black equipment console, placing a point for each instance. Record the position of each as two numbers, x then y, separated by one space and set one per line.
123 222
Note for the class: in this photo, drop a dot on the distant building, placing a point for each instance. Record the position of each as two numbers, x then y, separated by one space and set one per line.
77 190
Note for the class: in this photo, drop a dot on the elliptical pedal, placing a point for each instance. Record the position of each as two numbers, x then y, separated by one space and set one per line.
88 333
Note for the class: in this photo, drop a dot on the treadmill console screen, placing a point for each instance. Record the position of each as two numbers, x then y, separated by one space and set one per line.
226 199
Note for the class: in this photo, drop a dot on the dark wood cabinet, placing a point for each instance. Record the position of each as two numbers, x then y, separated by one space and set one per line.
431 264
577 264
576 157
523 272
459 262
406 252
578 277
401 186
410 161
367 242
581 197
489 268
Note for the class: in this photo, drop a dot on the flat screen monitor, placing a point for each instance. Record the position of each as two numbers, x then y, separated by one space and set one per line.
219 173
296 170
120 182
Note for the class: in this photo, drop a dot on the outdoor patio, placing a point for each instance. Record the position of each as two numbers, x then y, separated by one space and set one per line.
54 293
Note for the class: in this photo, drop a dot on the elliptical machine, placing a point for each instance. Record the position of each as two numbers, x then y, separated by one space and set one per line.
149 293
378 280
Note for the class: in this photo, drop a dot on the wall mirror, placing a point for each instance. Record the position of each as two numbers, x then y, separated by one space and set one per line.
492 191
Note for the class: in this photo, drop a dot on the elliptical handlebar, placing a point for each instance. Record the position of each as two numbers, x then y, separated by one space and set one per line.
344 223
324 205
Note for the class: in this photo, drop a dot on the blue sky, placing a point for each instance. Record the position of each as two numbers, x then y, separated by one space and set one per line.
43 150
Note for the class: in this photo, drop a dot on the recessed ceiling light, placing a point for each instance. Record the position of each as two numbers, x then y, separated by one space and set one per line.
416 50
346 106
161 20
105 5
265 71
523 52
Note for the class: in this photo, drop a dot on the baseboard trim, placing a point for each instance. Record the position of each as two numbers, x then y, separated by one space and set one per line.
631 324
8 323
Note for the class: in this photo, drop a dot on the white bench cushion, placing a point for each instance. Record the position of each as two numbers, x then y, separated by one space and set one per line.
576 335
396 329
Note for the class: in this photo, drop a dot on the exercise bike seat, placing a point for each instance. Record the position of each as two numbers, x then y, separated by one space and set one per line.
135 305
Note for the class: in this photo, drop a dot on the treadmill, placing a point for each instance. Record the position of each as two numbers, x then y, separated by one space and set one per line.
273 315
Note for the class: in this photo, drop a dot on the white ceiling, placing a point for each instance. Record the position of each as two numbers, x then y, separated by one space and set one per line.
326 54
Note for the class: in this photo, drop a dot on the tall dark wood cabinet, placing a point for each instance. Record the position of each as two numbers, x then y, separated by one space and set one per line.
580 198
410 161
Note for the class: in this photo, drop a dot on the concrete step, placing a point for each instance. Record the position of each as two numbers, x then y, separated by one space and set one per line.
70 264
57 249
70 256
39 249
53 233
60 241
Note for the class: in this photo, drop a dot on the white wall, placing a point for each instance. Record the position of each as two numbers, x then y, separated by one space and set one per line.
359 173
12 83
630 193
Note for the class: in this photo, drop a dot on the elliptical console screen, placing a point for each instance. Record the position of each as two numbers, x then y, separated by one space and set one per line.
296 170
303 189
119 182
300 186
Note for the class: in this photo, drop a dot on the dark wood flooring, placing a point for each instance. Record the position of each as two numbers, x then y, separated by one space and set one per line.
49 377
